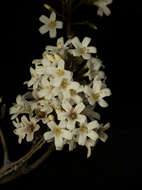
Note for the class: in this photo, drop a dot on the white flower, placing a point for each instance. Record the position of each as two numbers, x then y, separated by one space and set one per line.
86 130
50 24
42 109
59 74
47 90
94 64
26 128
70 92
102 7
89 144
35 79
97 93
72 114
82 49
59 133
60 48
101 132
21 106
19 130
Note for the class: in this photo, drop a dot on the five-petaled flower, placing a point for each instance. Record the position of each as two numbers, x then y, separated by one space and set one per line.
102 7
50 24
58 133
82 49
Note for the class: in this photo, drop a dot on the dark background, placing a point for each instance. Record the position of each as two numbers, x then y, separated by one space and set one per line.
118 40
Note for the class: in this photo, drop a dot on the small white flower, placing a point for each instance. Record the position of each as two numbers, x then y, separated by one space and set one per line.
101 132
87 130
89 144
59 133
102 7
35 79
82 49
26 128
20 130
94 64
21 106
97 93
60 48
72 114
59 74
50 24
42 109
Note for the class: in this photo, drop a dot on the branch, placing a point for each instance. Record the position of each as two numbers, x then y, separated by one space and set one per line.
5 149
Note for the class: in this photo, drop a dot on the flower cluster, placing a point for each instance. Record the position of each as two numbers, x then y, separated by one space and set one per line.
57 104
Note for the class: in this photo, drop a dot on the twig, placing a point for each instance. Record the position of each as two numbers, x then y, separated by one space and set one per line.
5 149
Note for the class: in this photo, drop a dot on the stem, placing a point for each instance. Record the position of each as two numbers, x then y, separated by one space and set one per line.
69 15
14 169
5 149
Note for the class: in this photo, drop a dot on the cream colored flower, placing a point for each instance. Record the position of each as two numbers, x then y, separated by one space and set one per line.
26 128
50 25
82 49
97 93
58 133
87 130
102 7
72 114
21 106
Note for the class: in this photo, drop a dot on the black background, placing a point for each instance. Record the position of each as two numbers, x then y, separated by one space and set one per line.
118 40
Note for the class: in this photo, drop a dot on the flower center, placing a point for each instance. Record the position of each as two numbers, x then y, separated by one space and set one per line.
60 72
52 24
73 116
64 84
31 128
82 50
57 131
95 96
72 92
40 114
84 129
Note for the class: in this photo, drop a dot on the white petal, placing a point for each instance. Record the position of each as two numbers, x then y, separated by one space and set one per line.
97 85
63 124
43 29
66 134
48 135
86 56
91 50
62 115
103 103
93 135
82 139
52 33
66 105
81 118
29 137
76 42
86 41
93 125
59 24
79 108
60 42
44 19
59 142
105 92
53 16
71 124
52 125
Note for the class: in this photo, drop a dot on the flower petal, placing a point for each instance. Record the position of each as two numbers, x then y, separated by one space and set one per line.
43 29
44 19
52 33
66 105
76 42
53 16
82 139
93 135
86 41
48 135
66 134
59 24
79 108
